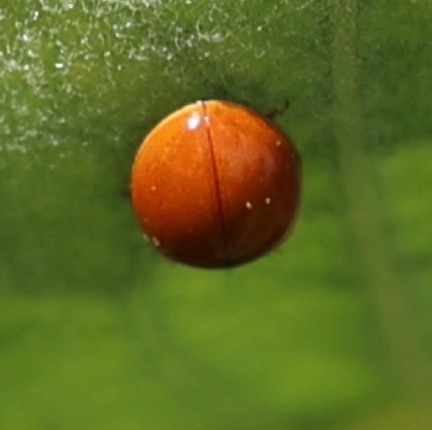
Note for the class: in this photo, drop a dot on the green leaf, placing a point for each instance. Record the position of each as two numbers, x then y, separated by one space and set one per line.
332 330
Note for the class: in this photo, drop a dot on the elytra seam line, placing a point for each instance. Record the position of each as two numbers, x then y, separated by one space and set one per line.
217 187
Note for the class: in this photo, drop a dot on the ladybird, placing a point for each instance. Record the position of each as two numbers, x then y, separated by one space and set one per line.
216 185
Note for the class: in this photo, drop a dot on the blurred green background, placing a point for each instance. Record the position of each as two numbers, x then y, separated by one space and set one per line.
331 331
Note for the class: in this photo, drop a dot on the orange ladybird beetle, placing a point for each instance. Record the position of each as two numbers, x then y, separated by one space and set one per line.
216 185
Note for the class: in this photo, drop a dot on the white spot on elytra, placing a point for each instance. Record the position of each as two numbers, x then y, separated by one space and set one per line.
194 121
267 200
278 143
248 205
155 241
